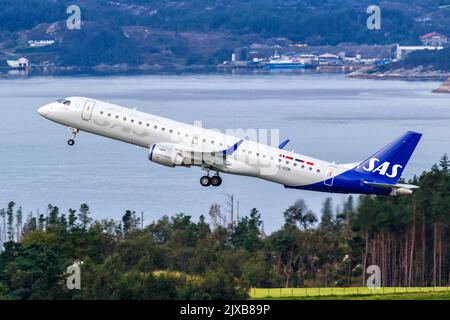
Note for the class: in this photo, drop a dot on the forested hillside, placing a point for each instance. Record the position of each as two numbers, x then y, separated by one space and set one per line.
138 32
175 257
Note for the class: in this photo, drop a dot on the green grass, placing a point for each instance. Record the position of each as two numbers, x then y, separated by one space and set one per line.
357 293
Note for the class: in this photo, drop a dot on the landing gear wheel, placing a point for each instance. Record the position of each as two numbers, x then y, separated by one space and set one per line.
216 181
205 181
74 132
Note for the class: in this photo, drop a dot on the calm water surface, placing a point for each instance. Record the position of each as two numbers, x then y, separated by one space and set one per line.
325 116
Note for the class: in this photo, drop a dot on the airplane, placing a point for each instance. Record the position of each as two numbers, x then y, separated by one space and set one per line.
172 144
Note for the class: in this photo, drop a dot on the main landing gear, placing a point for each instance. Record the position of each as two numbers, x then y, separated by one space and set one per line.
71 141
207 181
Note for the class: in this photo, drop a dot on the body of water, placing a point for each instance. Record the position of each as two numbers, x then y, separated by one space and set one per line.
326 116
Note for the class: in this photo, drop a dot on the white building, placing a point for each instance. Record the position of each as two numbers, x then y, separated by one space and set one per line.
434 39
329 59
21 63
40 43
401 51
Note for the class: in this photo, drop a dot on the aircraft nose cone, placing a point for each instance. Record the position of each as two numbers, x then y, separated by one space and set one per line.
43 111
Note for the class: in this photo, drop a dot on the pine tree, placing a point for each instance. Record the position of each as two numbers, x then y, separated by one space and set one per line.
41 222
326 221
444 164
299 215
130 222
19 221
83 216
53 215
3 227
30 225
72 218
10 218
63 221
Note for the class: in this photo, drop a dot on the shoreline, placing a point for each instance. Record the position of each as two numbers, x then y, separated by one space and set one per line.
414 74
353 72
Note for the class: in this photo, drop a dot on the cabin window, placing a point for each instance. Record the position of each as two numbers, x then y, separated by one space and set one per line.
101 112
295 164
318 170
140 123
186 135
67 103
132 120
204 140
117 117
148 124
109 114
257 154
155 127
303 166
279 160
287 162
170 130
212 142
163 129
124 119
221 144
178 133
310 168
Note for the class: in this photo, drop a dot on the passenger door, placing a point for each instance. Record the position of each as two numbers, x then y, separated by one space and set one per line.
329 178
87 110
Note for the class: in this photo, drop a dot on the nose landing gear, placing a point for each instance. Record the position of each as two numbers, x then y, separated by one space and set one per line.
71 141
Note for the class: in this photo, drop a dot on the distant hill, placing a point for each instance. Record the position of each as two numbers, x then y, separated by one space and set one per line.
163 32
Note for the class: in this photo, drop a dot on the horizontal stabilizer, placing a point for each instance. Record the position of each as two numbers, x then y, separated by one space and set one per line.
391 186
397 189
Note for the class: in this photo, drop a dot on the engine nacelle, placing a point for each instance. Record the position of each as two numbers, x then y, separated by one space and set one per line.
165 155
401 192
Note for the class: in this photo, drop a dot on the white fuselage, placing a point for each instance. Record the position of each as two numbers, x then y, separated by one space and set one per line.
145 130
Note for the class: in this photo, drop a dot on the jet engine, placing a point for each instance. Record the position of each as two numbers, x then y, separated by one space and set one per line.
401 192
165 155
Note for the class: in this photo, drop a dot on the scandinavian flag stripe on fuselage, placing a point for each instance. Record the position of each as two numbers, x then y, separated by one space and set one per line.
295 159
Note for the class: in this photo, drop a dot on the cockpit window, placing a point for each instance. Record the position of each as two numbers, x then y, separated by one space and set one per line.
64 101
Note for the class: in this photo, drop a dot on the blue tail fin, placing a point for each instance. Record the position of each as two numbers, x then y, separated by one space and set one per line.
387 164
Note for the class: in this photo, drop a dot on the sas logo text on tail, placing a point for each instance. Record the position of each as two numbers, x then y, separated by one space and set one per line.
383 168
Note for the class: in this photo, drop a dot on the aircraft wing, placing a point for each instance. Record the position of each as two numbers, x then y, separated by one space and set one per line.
199 155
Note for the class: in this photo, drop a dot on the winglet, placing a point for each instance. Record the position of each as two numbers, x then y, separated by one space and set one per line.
283 144
233 148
